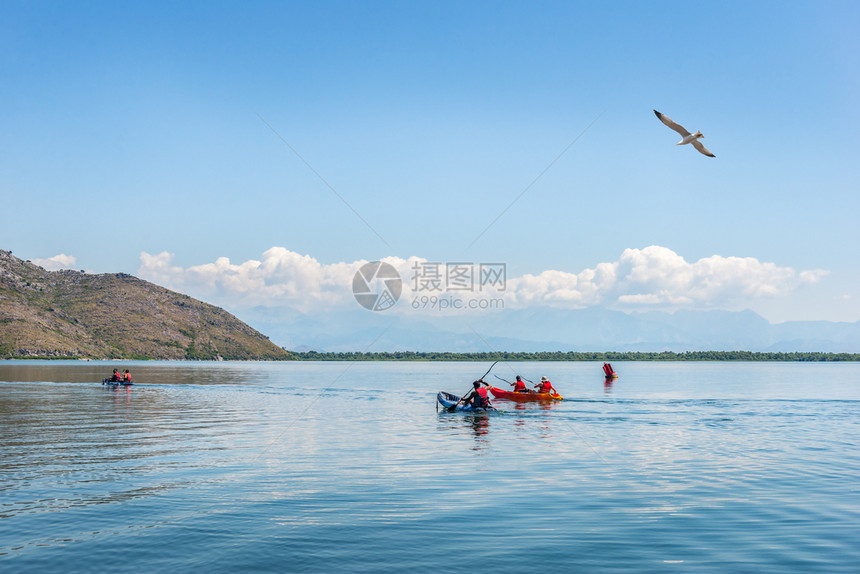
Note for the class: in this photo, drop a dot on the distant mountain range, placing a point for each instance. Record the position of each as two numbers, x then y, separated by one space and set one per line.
547 329
73 314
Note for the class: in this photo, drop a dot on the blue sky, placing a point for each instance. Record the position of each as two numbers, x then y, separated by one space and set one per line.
131 128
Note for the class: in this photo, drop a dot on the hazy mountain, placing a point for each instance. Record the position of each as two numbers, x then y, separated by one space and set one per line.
73 314
546 329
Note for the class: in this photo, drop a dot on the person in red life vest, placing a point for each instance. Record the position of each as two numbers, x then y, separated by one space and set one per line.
478 398
115 376
126 376
545 386
519 385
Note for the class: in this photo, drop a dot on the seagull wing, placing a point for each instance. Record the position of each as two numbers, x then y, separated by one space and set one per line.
702 149
668 121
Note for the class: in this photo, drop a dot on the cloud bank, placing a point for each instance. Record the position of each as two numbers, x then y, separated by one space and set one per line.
651 278
657 277
281 277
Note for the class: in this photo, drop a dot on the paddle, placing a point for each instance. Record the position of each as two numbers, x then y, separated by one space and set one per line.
501 379
453 407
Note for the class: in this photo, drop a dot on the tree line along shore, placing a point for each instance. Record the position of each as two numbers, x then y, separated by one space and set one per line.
577 356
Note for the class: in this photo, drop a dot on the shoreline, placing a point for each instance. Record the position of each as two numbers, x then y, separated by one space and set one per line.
576 356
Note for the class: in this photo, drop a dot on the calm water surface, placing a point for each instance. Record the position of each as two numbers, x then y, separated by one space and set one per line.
337 467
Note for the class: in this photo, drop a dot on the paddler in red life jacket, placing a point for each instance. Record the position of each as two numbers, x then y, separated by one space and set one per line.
519 385
478 398
126 376
545 386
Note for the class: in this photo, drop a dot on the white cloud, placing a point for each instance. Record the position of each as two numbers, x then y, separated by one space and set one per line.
57 262
658 277
653 277
281 277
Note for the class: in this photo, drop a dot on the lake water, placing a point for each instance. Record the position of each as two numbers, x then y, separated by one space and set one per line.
338 467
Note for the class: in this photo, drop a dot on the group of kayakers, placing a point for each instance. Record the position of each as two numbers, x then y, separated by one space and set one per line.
479 398
117 377
544 386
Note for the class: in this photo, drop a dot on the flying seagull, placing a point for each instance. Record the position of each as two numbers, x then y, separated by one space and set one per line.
688 137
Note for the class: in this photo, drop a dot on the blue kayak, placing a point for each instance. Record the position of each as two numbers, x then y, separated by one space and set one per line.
448 400
116 383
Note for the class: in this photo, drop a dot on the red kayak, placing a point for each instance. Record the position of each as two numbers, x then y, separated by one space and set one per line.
524 397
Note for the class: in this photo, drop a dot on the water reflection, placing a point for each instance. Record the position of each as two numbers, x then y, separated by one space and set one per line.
122 394
476 425
528 412
480 425
534 406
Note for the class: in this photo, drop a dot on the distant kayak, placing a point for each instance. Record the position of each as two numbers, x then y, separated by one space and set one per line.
116 383
524 397
448 400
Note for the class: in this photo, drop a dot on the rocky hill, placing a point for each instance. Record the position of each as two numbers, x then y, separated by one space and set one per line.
73 314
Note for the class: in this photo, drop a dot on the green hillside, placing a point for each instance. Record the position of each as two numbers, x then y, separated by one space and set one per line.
67 314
